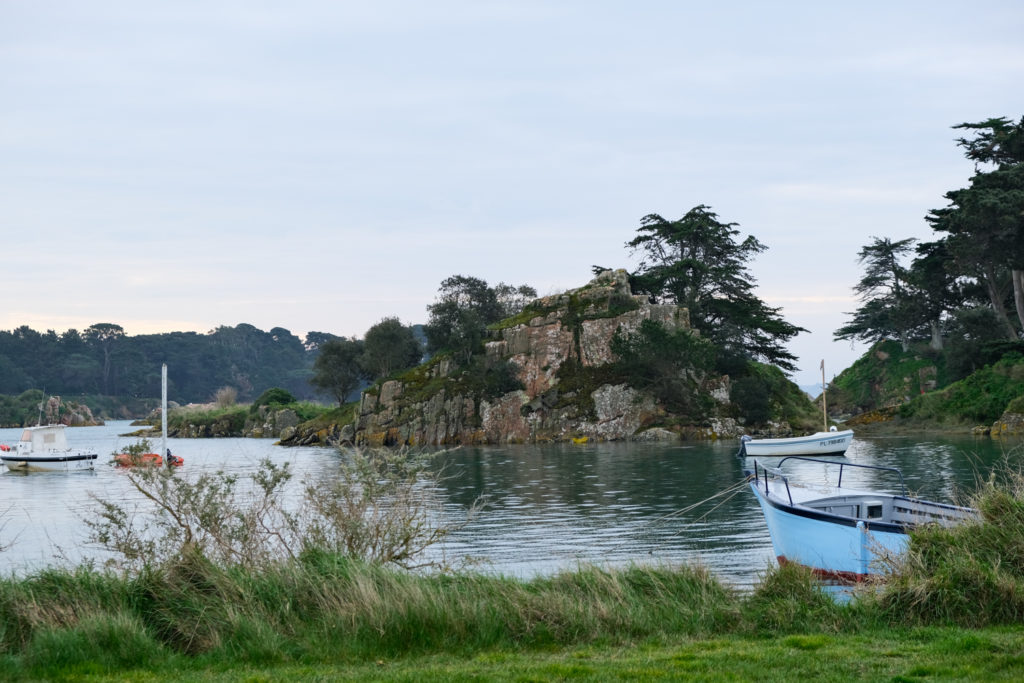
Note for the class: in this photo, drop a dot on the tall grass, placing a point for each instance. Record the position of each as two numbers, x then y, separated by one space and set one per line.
327 608
971 574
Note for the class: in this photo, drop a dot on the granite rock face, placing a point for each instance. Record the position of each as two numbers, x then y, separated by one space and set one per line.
575 327
1010 424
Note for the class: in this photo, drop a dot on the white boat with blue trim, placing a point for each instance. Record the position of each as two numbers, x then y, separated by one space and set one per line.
820 443
45 448
840 533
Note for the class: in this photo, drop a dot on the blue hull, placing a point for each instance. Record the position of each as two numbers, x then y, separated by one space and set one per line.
831 545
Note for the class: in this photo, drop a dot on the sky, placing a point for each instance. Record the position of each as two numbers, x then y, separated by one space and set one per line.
319 165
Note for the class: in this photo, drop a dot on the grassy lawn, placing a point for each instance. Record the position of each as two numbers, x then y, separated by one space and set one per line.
922 654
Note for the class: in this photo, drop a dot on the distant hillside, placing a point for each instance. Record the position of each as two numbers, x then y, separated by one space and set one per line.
103 361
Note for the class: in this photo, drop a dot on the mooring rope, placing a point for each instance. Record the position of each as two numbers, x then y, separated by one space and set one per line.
732 490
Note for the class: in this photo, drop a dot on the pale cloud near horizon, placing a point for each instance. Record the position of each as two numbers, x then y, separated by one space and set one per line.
322 165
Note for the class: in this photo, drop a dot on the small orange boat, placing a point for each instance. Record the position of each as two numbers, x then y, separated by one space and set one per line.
146 460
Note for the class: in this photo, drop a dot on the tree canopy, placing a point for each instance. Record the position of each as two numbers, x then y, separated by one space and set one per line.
966 284
104 360
984 222
338 370
698 262
889 303
390 346
464 307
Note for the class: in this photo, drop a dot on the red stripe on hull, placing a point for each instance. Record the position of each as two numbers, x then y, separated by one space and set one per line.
830 574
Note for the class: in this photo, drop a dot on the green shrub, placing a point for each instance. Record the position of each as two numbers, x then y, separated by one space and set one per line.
981 397
274 397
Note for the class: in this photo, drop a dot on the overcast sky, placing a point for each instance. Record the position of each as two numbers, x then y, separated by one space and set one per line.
319 165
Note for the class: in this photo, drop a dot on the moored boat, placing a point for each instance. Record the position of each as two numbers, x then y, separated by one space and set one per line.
820 443
839 532
147 460
45 448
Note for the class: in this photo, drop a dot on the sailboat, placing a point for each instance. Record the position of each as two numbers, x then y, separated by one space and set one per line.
829 442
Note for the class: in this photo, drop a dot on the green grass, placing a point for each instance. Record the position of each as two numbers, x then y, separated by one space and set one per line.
327 618
922 654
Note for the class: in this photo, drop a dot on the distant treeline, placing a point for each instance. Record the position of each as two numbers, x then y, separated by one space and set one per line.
103 360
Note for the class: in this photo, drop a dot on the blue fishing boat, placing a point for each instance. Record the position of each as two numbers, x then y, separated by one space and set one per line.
839 532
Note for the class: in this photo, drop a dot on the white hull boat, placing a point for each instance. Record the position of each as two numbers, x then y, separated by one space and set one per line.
840 533
819 443
45 449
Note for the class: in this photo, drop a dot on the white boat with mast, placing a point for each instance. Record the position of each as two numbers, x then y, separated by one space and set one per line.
829 442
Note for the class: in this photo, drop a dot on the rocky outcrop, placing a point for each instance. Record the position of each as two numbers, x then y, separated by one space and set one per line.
1010 424
574 328
265 423
69 413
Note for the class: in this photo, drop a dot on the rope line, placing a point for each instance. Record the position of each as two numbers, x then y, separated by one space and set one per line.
732 490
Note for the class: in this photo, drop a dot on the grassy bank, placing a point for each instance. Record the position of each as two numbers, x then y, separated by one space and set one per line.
329 618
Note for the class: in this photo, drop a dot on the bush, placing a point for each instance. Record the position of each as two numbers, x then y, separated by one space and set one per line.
226 397
668 363
379 507
273 397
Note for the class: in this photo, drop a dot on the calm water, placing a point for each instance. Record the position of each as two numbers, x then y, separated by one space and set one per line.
548 507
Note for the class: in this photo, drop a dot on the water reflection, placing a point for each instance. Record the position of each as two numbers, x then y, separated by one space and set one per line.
548 508
553 506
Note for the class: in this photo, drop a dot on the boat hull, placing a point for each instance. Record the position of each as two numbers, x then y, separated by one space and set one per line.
821 443
51 463
832 546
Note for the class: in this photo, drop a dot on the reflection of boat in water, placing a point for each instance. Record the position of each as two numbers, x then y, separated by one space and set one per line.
836 531
45 448
819 443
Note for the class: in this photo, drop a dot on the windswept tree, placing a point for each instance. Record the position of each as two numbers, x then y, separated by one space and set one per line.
889 305
338 369
985 221
698 262
388 347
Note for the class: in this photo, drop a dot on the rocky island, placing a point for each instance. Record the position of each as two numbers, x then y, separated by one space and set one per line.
550 374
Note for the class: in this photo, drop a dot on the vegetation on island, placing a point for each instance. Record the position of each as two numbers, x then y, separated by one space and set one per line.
954 306
696 263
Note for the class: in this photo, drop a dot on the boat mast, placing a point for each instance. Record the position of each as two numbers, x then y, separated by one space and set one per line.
163 410
824 410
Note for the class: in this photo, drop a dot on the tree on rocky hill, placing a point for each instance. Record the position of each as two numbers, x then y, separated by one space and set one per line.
390 346
465 306
338 369
697 262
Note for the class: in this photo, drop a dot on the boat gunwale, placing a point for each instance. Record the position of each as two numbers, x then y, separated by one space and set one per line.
801 507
